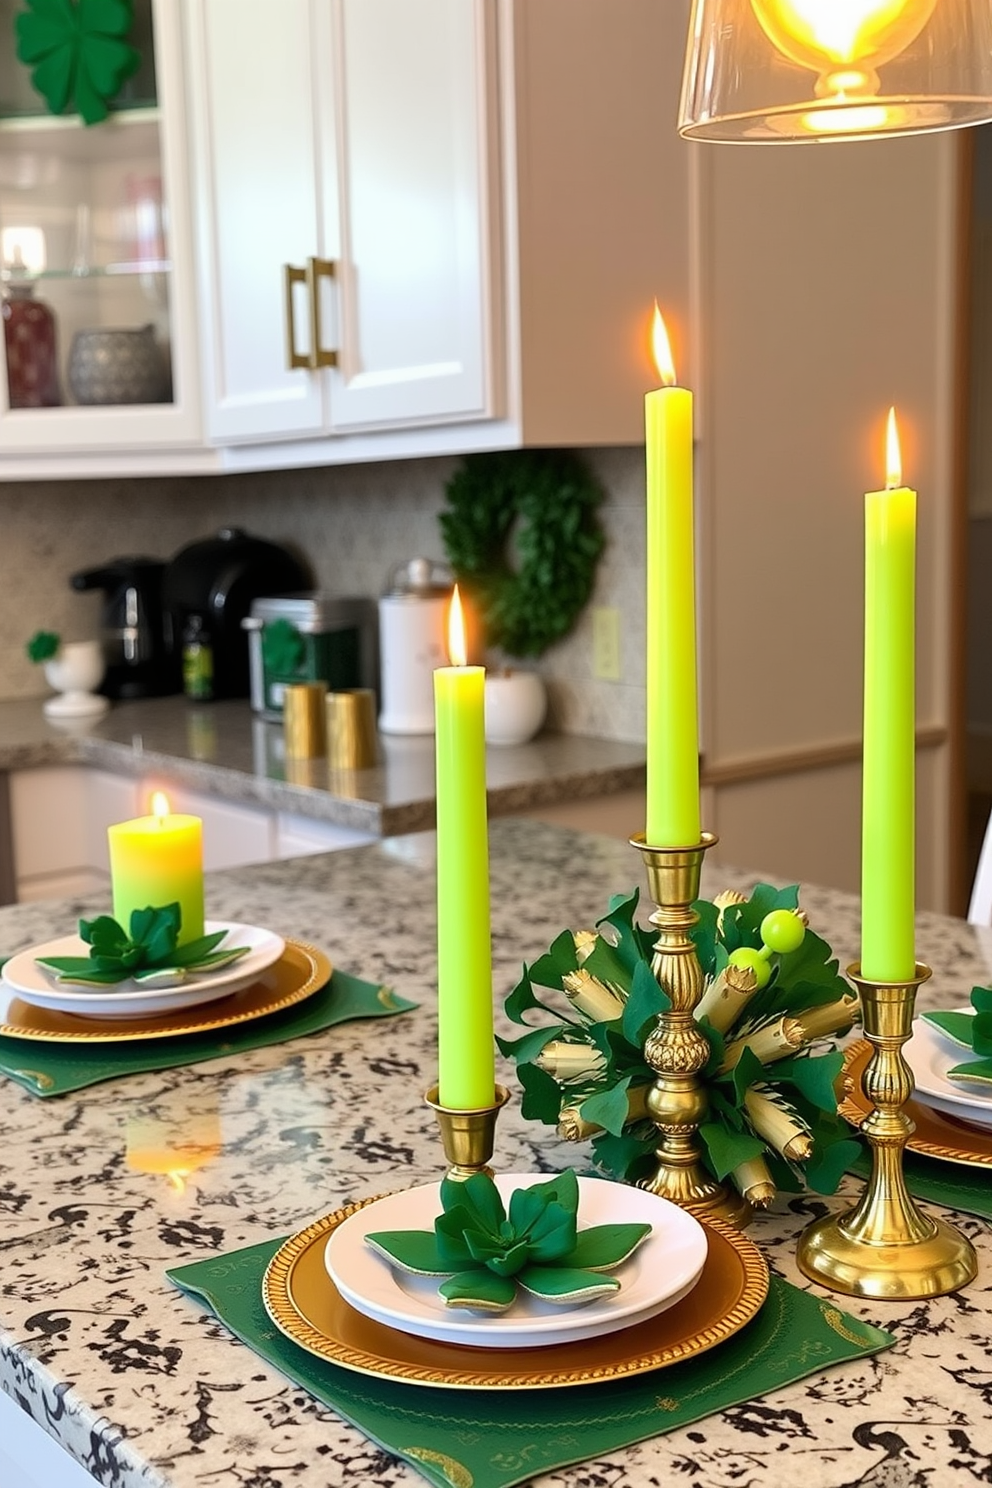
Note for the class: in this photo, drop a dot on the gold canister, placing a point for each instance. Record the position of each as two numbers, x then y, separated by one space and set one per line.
303 719
351 737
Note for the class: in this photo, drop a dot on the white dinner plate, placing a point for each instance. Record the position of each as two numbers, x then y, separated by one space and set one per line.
662 1270
129 999
930 1054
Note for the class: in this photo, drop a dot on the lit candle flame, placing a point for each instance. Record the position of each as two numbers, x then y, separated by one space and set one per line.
456 631
893 455
662 348
160 805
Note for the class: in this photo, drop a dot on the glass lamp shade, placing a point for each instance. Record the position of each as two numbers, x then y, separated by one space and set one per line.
788 71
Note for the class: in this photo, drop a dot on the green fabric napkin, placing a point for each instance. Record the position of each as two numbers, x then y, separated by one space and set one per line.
494 1438
54 1069
951 1184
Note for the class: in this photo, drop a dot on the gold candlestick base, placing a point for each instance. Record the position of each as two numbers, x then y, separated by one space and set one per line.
885 1247
675 1048
468 1137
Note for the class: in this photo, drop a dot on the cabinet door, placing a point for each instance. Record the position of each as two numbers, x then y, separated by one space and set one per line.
96 258
253 119
411 132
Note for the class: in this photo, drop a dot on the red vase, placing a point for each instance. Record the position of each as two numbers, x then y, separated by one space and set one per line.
32 355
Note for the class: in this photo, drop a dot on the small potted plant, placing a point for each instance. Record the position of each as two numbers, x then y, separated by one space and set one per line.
522 536
74 669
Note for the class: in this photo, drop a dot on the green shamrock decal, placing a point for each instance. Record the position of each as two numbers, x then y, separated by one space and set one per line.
77 52
487 1254
43 645
149 955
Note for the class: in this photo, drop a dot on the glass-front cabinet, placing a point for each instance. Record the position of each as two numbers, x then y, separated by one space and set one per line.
95 264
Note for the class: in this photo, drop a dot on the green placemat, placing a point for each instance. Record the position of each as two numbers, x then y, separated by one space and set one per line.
494 1438
53 1069
951 1184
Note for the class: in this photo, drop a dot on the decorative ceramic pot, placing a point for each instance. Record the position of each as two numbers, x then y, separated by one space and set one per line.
75 671
516 703
118 366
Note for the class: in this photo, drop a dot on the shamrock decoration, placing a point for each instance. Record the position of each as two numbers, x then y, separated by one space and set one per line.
77 52
43 645
487 1255
149 955
971 1031
283 648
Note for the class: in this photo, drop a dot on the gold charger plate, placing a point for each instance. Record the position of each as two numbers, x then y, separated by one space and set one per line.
304 1303
300 971
936 1135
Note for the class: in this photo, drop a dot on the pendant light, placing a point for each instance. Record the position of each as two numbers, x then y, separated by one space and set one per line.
778 71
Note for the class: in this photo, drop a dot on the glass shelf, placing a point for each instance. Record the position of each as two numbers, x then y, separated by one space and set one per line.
101 271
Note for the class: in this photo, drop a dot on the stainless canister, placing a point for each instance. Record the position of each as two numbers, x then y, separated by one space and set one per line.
412 621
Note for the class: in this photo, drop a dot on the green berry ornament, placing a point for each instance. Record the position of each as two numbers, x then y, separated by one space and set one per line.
782 931
747 956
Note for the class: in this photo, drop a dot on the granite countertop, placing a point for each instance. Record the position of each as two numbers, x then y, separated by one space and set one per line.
224 749
145 1390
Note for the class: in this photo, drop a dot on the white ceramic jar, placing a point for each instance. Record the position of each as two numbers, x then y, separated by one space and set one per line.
413 619
516 705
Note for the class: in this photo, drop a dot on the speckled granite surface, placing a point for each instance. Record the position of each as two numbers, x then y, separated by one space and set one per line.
224 749
145 1390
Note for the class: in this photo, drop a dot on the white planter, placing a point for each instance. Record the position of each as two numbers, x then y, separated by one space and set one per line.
516 704
75 671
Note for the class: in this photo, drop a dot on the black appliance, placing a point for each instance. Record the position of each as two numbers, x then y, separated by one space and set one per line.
207 590
139 663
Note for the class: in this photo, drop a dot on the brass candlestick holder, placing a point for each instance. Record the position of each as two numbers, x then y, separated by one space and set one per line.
468 1137
676 1049
884 1247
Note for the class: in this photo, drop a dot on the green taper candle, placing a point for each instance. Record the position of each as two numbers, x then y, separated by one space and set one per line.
888 952
673 730
466 1059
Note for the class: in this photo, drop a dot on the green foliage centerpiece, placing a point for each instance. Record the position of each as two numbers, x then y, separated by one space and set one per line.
771 993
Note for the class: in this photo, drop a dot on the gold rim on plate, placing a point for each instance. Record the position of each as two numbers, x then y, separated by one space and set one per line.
936 1135
300 972
303 1302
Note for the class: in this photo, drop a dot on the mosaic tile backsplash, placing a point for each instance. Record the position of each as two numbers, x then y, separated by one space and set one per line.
351 523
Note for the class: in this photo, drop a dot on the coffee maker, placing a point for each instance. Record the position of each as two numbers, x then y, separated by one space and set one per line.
207 590
131 628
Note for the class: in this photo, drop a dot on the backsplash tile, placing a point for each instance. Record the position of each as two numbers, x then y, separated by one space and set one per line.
351 523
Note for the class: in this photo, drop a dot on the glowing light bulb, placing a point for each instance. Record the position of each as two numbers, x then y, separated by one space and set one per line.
844 41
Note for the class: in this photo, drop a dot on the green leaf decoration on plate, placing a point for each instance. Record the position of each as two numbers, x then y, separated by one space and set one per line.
149 955
486 1253
972 1031
588 1004
78 52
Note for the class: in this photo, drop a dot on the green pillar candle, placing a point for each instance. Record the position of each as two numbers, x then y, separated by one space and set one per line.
466 1058
888 802
157 860
673 730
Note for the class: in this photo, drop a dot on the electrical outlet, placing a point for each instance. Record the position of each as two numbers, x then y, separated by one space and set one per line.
606 643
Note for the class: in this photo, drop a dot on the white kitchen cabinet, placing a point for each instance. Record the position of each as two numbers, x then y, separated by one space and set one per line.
342 216
94 223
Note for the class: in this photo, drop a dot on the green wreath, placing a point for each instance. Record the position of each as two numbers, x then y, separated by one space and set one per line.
522 537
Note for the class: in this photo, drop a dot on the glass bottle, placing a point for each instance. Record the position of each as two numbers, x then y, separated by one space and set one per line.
32 350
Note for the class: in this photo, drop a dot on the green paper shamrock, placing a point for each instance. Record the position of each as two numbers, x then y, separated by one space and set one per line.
43 645
487 1255
148 955
77 52
971 1031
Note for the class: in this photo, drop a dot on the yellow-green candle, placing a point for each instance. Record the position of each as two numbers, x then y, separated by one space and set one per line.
673 730
888 843
157 860
466 1060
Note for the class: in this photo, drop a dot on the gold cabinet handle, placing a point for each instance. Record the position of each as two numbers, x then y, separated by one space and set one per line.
317 269
292 275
